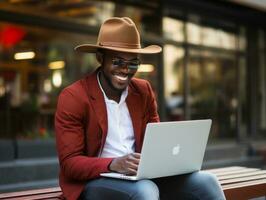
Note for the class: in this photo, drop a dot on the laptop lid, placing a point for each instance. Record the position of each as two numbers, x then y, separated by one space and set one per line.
173 148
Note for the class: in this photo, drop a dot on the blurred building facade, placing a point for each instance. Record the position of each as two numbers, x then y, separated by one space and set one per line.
212 66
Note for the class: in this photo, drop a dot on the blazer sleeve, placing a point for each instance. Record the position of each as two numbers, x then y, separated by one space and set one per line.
70 140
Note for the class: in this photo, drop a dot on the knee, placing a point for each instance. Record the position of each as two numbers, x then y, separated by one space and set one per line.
146 189
208 184
205 180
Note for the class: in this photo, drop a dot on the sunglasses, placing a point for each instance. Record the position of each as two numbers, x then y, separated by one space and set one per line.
131 64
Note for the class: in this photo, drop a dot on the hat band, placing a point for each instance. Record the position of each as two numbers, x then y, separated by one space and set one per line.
120 45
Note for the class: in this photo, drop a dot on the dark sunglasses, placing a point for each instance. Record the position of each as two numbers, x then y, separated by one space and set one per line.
131 64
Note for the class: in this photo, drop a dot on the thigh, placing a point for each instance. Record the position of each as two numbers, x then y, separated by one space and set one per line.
193 186
113 189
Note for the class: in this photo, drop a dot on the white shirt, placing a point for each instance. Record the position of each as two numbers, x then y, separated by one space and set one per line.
120 139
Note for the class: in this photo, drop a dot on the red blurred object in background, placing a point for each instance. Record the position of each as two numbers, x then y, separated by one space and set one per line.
8 75
42 132
11 35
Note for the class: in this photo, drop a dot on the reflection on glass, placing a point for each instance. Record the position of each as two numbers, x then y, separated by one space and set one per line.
213 91
47 86
57 64
242 87
193 33
145 68
173 77
84 12
57 79
212 37
242 42
148 70
2 87
262 78
35 66
172 66
24 55
97 13
173 29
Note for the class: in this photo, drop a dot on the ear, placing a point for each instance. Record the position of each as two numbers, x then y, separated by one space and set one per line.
99 57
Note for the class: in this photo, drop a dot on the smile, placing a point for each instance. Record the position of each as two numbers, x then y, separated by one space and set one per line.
121 78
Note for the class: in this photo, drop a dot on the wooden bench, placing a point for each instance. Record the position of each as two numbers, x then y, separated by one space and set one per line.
47 193
241 183
238 183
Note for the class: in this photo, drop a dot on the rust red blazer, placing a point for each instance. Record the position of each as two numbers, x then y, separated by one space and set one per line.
81 129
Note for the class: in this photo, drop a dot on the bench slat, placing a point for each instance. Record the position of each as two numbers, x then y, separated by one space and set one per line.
30 192
244 179
245 170
239 175
225 169
52 196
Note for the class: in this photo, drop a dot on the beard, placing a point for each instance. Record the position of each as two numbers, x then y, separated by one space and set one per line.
110 84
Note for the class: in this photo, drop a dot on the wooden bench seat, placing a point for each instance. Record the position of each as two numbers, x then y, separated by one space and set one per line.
47 193
241 183
238 183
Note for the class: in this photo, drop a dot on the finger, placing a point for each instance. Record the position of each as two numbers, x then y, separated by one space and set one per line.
134 160
133 155
131 171
132 165
136 155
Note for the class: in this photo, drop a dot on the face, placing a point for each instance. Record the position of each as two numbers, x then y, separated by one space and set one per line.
118 69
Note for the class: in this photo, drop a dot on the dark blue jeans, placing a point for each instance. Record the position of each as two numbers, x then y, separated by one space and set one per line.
194 186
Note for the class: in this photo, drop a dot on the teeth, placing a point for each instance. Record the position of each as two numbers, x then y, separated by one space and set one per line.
121 78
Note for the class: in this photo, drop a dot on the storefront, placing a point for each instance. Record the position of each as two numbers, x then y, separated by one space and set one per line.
212 65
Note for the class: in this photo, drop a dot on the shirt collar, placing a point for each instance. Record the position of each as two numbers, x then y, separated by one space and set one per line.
123 95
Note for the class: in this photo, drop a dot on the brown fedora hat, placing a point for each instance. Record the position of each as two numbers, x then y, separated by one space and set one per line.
119 34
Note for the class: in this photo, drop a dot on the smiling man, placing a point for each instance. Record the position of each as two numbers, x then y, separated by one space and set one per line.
100 123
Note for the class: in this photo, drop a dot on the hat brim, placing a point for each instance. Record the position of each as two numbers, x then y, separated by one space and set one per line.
90 48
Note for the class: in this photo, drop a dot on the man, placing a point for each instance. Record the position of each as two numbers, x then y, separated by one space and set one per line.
100 123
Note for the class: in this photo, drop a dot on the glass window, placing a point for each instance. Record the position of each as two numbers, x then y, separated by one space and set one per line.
85 12
193 32
92 13
211 37
36 63
242 43
243 107
173 29
148 70
215 79
173 81
262 79
212 80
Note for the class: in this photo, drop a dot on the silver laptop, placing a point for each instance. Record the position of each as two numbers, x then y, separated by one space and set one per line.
171 148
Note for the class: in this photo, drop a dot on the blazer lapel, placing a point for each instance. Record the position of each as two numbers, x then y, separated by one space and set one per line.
97 99
134 107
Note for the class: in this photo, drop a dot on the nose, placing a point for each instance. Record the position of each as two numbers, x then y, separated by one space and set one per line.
125 68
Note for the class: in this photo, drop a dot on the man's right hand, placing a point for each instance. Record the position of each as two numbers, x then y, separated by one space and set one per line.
127 164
